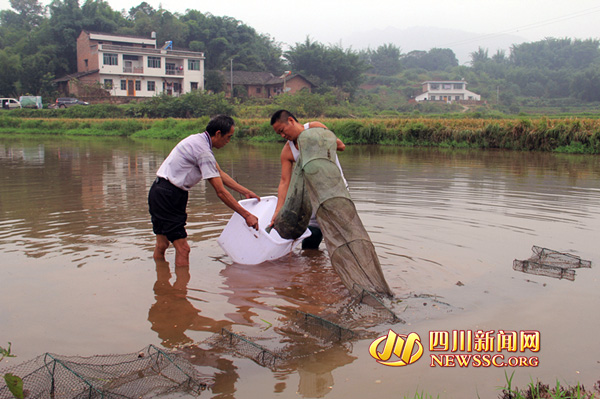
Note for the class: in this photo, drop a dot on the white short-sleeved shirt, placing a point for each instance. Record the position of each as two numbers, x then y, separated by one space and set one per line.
189 162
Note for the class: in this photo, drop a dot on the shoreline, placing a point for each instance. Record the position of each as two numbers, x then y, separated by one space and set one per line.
564 135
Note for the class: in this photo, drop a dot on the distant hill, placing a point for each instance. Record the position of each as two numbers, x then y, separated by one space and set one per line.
425 38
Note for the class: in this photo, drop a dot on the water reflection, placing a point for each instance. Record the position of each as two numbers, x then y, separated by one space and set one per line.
265 298
271 293
173 312
72 207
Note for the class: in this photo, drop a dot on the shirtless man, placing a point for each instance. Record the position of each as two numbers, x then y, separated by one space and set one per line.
287 126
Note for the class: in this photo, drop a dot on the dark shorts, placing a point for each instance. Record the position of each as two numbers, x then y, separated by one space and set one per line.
167 204
313 241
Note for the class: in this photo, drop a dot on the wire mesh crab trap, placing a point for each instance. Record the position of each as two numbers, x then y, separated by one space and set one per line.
369 307
322 328
152 372
305 334
148 373
550 263
246 347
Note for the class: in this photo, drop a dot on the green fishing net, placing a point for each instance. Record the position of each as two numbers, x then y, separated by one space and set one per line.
318 180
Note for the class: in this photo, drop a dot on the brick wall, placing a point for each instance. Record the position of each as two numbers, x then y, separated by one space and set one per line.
296 84
85 51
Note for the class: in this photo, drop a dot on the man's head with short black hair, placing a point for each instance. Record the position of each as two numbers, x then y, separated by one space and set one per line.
222 123
282 116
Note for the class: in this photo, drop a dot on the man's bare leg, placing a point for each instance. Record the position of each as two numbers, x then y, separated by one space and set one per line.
182 252
162 243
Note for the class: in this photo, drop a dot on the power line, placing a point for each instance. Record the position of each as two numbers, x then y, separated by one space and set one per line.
529 26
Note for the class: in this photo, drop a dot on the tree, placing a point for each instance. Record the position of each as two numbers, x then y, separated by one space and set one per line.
500 57
586 84
436 59
10 66
224 38
65 27
440 59
385 60
308 58
31 12
556 54
329 66
98 16
479 58
143 8
345 68
214 81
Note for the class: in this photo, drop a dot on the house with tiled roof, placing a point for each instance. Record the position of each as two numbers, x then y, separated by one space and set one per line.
131 66
265 84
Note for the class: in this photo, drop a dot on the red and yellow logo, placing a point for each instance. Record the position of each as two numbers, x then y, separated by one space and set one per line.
407 349
463 348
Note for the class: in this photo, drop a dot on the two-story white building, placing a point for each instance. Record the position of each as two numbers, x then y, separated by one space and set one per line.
447 91
129 66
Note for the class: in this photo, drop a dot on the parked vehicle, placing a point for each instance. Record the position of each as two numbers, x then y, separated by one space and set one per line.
65 102
31 102
10 103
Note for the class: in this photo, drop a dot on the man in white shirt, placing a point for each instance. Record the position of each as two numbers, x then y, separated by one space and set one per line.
191 161
287 126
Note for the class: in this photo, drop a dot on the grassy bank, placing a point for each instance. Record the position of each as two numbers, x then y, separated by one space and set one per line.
572 135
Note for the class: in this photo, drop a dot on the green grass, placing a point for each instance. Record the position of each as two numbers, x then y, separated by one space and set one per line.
571 135
538 390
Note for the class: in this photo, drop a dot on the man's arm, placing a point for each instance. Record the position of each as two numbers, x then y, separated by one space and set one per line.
235 186
227 198
287 165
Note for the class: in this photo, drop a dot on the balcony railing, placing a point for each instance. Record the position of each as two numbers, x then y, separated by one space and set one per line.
133 69
173 72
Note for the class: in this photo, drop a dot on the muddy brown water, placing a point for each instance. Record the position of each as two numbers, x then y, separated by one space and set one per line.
77 277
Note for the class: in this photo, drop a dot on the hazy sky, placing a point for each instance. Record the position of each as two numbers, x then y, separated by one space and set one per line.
331 21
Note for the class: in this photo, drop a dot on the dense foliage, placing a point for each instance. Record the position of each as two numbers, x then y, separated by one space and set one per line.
38 44
327 65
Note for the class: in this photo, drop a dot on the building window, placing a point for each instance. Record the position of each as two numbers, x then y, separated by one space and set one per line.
111 59
108 84
258 90
458 86
170 68
457 98
434 86
153 62
432 98
138 85
194 65
151 85
447 86
86 63
123 85
194 85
